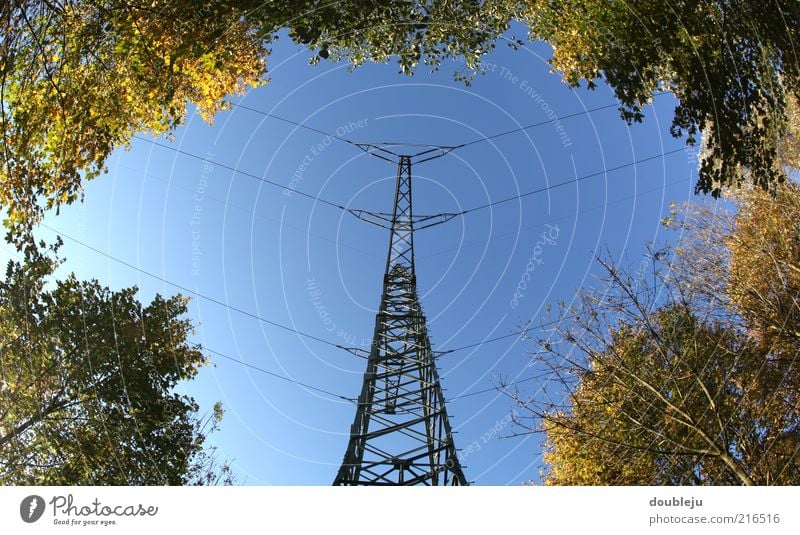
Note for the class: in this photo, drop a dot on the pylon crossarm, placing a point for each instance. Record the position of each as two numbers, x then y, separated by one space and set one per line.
373 150
373 218
384 220
436 219
442 151
358 352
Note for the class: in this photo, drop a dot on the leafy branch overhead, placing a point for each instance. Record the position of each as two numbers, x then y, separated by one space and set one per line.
732 65
79 78
414 32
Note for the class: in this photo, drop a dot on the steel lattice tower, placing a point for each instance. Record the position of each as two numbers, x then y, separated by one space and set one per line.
401 434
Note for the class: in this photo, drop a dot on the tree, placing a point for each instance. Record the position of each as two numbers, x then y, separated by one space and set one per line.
732 64
691 378
79 79
764 282
415 32
88 385
657 398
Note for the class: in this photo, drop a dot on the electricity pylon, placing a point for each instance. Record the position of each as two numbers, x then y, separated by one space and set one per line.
401 434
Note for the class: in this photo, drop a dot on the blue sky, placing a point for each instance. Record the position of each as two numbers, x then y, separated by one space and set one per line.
305 264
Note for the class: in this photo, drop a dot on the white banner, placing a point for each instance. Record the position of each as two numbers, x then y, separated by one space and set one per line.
329 510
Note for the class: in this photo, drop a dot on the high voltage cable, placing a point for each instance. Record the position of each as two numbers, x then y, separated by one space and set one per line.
243 209
568 182
452 147
571 215
534 125
548 121
295 123
245 173
487 205
463 212
264 320
357 144
445 150
285 327
493 389
339 396
503 337
198 294
278 376
476 344
518 333
235 309
440 353
291 329
341 207
208 349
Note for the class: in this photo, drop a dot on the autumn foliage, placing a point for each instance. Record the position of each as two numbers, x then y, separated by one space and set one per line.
693 378
79 79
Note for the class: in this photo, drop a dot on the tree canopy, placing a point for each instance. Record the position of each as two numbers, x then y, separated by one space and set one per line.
691 379
732 64
88 382
78 79
416 33
695 382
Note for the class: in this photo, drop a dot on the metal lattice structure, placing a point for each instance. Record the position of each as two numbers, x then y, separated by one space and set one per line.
401 434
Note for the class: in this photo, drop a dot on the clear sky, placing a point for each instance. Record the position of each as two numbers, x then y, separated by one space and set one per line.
304 264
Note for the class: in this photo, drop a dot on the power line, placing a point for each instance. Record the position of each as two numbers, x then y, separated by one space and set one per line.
287 328
534 125
568 182
463 212
440 353
548 121
278 376
245 210
381 145
245 173
493 389
295 123
561 218
236 309
521 332
505 336
333 394
477 344
487 205
219 353
264 320
198 294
